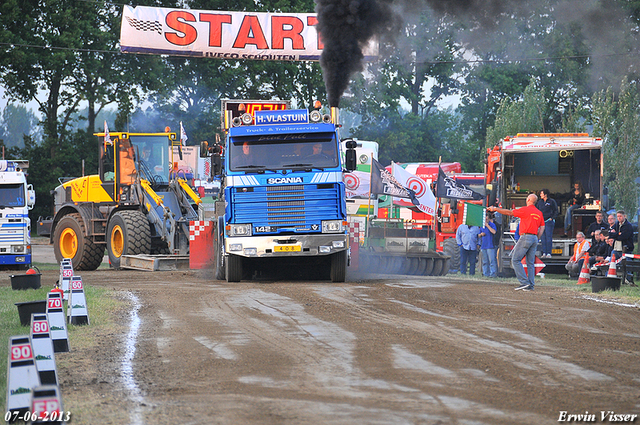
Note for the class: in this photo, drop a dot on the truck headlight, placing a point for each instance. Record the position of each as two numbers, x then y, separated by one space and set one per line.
17 248
21 259
239 230
332 226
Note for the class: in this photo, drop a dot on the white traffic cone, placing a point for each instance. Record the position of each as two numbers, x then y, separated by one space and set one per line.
585 276
612 268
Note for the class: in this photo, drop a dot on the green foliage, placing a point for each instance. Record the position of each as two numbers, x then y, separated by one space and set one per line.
16 122
616 118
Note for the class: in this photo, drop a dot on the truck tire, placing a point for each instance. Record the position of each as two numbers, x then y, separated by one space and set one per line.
445 267
128 233
339 266
438 264
219 255
429 268
450 248
422 266
234 268
69 241
414 264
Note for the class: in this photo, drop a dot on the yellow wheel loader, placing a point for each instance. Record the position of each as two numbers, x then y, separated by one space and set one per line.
136 204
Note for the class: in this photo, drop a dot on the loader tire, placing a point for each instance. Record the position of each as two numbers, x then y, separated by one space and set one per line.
128 233
451 249
69 241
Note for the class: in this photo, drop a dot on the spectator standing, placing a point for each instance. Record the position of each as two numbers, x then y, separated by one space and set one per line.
467 238
531 229
611 221
576 199
574 264
549 209
599 224
622 234
488 249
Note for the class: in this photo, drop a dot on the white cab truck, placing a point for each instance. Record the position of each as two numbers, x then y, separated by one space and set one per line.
16 199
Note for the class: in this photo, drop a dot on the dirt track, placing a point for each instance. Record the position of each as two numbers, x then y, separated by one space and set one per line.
383 349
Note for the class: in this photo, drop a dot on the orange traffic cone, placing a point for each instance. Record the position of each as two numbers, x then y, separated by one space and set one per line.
585 276
612 268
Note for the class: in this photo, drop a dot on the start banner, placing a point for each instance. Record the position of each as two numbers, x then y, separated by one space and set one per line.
223 35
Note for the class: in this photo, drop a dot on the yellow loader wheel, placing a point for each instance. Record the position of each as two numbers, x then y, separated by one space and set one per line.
128 233
69 241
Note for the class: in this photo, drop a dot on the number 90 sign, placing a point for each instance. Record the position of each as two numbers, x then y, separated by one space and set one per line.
21 352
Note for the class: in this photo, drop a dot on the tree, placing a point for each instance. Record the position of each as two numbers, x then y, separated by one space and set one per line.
16 122
616 118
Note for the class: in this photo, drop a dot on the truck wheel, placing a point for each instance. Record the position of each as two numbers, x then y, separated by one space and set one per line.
438 263
445 267
451 249
429 268
69 241
422 266
217 245
339 266
234 268
128 233
414 265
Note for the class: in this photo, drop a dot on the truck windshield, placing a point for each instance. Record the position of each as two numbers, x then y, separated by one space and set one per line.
153 156
12 195
248 154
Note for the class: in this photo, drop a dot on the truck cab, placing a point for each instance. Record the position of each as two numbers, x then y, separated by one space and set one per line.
16 199
283 192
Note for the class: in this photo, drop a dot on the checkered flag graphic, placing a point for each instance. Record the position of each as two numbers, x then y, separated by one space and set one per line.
145 25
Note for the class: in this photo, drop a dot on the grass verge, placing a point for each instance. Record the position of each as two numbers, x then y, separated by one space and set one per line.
101 304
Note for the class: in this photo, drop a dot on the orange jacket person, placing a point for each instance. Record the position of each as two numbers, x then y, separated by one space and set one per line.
531 229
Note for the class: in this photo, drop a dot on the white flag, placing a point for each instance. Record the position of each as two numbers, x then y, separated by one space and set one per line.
107 138
422 197
183 135
357 184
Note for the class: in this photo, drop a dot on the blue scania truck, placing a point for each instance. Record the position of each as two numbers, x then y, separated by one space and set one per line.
282 194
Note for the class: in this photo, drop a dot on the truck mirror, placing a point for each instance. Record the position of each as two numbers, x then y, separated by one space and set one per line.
204 149
350 159
31 197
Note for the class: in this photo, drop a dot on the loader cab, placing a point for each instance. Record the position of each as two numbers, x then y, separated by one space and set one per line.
128 155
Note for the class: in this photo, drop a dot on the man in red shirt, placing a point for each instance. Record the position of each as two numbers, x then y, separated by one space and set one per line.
531 229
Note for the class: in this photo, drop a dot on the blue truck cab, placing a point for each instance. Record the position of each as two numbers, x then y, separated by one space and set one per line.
283 192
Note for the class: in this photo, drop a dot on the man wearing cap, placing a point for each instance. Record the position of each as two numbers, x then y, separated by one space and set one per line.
531 229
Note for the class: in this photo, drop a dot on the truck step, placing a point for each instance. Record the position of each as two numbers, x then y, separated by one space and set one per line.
153 263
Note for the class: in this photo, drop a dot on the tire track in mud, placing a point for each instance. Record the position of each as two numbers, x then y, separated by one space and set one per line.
538 361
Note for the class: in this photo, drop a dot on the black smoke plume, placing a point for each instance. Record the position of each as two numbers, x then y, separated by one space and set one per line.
347 26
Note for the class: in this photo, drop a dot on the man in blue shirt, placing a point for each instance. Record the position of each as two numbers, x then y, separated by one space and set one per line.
467 238
489 258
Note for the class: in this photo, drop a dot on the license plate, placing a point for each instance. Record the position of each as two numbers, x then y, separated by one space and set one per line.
556 251
287 248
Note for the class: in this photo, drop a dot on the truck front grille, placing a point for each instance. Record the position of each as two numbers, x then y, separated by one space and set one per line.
298 206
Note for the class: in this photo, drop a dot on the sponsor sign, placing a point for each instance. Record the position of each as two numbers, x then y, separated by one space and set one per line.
22 375
297 116
57 323
223 35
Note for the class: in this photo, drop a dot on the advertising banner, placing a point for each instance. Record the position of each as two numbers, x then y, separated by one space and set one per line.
223 35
